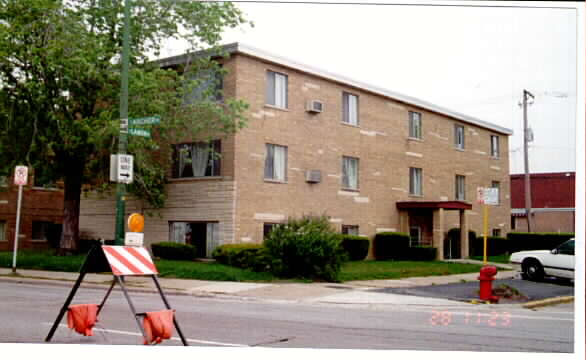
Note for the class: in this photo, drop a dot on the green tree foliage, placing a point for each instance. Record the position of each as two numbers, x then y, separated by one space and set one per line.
306 248
60 84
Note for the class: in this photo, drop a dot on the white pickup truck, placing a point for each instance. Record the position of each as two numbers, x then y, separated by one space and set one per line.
536 264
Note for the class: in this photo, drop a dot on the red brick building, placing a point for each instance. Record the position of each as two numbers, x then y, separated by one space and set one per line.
552 202
41 215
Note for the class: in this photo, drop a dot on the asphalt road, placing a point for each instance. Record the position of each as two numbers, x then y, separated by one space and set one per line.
466 291
28 311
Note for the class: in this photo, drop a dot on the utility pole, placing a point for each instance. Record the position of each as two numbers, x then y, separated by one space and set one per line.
526 95
123 136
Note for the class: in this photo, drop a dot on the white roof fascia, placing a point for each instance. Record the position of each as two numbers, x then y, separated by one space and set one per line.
263 55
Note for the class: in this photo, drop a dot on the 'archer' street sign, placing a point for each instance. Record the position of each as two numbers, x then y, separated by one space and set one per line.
148 120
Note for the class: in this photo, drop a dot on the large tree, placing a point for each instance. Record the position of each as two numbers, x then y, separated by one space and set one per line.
60 74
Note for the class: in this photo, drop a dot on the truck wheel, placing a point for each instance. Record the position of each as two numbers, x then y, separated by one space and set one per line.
532 270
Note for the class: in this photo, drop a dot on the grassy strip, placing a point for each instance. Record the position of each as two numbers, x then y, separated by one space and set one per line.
372 270
500 259
353 270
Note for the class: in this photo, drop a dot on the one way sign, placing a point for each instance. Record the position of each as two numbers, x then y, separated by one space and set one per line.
121 168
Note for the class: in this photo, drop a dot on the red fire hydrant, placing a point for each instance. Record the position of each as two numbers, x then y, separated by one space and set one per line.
486 278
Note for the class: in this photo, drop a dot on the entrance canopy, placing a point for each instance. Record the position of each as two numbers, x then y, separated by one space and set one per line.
447 205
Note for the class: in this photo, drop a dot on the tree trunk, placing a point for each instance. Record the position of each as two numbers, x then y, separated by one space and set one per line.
71 205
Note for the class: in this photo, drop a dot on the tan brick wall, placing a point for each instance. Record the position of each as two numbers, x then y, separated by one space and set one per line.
188 200
380 142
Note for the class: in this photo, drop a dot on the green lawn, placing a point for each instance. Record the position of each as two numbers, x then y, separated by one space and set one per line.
501 259
353 270
372 270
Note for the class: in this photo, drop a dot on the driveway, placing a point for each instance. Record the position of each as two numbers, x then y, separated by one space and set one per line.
467 291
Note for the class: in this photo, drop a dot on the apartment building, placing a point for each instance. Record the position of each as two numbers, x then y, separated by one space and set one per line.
319 143
41 214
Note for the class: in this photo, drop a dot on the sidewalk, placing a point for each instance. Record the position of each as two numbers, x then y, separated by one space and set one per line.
353 292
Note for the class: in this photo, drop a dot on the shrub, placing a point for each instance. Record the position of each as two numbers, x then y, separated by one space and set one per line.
245 256
536 241
305 248
355 246
173 251
496 245
85 245
455 233
421 253
391 246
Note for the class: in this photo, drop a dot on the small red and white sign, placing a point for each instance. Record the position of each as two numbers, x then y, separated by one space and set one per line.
129 260
20 175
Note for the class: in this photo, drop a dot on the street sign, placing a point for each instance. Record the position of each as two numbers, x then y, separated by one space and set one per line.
149 120
487 196
139 132
20 175
121 168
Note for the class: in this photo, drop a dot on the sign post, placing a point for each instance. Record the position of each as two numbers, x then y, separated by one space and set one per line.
20 179
486 196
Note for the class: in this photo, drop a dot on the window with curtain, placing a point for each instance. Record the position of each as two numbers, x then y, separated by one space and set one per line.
415 125
199 159
276 163
494 146
459 137
350 108
460 187
350 172
415 181
276 89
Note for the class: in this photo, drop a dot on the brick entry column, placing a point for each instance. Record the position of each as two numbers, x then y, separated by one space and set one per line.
464 246
438 232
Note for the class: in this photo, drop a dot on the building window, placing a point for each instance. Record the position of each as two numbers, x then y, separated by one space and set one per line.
267 228
496 232
205 85
460 187
41 230
415 181
494 146
350 230
199 159
459 137
277 89
350 173
276 163
415 125
415 236
2 230
350 106
497 185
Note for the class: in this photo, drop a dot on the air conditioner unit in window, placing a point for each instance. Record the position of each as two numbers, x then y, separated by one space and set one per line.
315 106
313 176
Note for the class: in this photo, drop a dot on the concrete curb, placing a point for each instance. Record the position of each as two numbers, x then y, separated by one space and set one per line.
547 302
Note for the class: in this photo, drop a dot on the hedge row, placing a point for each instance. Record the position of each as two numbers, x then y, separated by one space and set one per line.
395 246
536 241
245 256
355 246
495 245
173 251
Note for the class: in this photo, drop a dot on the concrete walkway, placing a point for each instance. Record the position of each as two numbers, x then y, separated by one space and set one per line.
353 292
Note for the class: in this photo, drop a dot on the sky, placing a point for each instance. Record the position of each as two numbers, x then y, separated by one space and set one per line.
473 60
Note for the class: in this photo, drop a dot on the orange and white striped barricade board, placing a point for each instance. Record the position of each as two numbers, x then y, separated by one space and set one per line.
121 261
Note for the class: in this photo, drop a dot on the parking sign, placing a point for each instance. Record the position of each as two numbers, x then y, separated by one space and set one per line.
20 175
